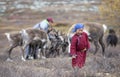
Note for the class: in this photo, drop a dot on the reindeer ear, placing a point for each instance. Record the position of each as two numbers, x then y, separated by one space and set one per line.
6 34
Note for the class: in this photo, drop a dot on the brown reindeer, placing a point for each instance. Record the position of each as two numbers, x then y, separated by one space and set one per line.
15 39
30 35
95 32
24 38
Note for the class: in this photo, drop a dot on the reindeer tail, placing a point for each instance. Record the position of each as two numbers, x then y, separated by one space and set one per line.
104 27
8 36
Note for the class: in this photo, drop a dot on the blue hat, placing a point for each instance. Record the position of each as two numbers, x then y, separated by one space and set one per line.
77 26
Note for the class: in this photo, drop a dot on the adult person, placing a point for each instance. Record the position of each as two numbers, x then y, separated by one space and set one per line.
44 24
78 48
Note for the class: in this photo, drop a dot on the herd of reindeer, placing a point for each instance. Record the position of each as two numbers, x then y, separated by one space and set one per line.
55 43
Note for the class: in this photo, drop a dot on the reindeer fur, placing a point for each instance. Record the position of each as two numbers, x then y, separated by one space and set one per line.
96 33
15 39
112 38
34 34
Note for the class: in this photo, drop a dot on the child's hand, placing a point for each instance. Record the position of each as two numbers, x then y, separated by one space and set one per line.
74 56
84 49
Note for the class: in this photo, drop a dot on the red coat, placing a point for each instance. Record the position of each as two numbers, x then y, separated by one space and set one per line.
78 43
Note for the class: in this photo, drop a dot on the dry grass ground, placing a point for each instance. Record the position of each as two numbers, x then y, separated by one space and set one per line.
96 65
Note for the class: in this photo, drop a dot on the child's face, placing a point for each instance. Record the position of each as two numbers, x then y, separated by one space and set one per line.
79 31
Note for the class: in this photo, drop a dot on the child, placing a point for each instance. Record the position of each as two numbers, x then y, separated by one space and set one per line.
79 46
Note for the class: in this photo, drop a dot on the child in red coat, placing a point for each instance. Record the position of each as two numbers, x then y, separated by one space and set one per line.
79 46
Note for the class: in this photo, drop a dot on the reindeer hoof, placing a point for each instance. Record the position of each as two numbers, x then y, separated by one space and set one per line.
43 57
10 60
104 56
38 56
30 58
23 59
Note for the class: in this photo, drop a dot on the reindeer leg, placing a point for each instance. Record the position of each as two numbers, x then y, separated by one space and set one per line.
96 47
9 53
34 52
50 51
22 57
58 51
25 50
103 46
43 50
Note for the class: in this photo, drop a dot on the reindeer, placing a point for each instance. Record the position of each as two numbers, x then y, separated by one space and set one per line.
30 35
64 43
34 49
24 38
58 42
95 32
112 38
55 40
15 40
